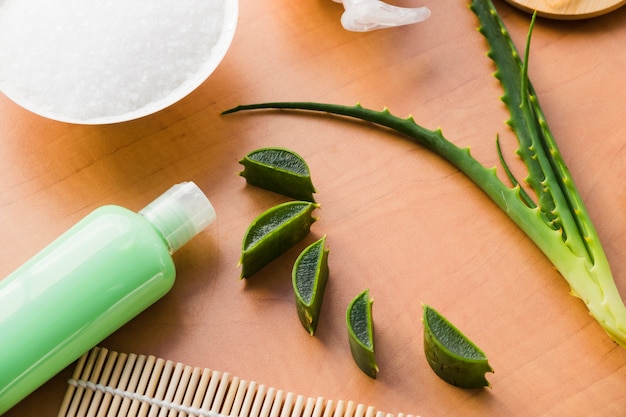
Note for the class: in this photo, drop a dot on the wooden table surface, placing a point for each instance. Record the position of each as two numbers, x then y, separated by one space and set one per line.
398 220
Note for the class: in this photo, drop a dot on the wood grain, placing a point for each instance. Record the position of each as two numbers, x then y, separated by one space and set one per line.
569 9
398 220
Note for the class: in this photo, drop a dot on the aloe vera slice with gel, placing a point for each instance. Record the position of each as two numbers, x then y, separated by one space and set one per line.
280 170
309 277
451 354
273 232
360 324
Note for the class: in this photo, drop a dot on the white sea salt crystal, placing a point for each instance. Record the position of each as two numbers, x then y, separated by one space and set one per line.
97 59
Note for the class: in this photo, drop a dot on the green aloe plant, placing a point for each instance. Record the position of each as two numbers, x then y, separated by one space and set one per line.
556 219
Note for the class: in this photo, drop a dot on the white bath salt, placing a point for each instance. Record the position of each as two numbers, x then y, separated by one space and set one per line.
93 59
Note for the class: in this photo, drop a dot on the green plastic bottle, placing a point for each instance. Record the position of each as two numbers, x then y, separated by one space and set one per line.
97 276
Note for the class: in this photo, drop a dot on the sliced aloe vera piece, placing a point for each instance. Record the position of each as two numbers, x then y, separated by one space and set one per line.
280 170
361 333
273 233
309 277
452 356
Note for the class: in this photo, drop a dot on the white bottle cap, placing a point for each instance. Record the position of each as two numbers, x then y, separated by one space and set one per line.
180 213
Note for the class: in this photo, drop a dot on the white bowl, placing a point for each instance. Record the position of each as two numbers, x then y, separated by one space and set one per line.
101 62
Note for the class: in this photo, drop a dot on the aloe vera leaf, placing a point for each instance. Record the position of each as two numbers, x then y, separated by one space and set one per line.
559 225
566 209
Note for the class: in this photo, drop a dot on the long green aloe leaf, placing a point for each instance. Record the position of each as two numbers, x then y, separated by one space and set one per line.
558 223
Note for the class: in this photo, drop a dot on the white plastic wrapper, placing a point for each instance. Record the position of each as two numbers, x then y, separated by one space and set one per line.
368 15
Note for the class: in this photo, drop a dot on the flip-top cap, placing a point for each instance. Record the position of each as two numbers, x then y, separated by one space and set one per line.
180 213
